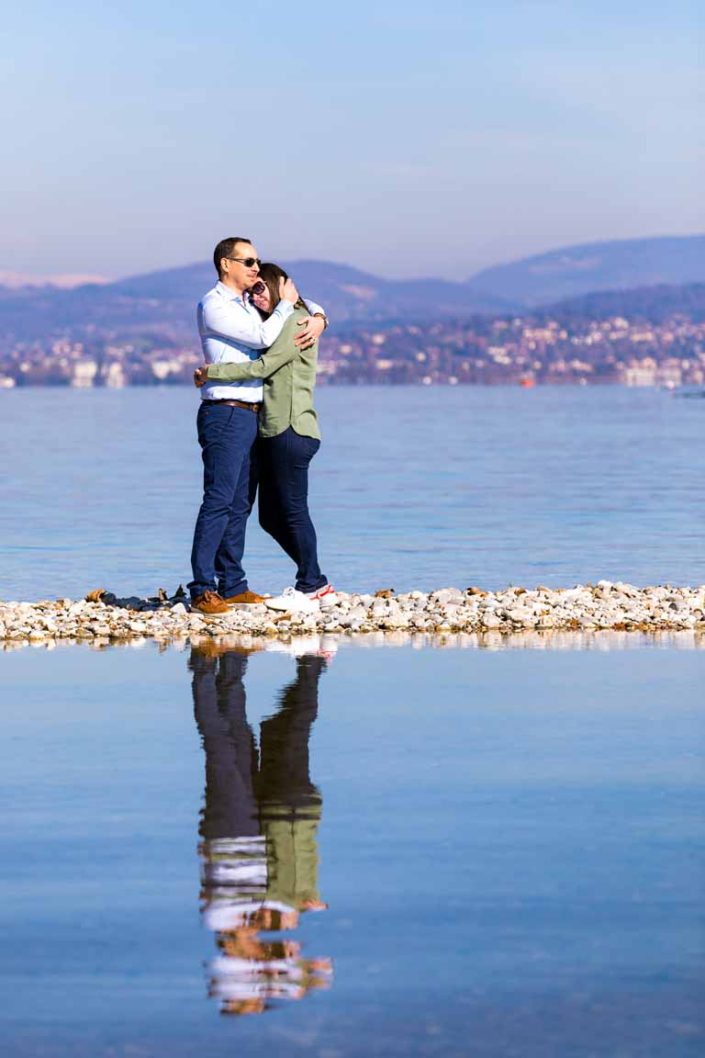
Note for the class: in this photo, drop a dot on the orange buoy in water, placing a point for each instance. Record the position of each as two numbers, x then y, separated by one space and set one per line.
527 383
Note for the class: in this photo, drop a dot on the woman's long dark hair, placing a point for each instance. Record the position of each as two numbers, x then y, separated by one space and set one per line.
270 274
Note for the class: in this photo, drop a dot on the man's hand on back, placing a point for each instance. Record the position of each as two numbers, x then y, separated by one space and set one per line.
288 291
311 330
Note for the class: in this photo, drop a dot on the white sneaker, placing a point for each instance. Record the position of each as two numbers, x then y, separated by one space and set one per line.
293 601
297 646
325 596
328 648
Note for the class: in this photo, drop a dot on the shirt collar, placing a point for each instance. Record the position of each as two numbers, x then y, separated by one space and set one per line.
226 292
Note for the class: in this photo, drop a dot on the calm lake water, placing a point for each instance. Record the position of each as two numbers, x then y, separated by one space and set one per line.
369 852
413 488
343 850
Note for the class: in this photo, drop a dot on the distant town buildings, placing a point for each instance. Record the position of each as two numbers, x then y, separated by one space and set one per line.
521 350
479 351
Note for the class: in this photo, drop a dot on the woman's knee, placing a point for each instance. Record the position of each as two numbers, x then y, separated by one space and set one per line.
267 520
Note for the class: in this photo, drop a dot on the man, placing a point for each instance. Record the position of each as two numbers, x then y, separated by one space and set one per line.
230 328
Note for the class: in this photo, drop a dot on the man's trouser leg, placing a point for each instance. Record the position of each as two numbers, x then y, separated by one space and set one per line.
219 707
226 435
228 569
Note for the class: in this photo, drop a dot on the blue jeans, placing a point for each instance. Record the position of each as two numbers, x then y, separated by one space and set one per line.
220 702
226 436
282 470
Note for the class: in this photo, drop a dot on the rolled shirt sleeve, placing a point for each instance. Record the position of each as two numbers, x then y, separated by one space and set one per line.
314 308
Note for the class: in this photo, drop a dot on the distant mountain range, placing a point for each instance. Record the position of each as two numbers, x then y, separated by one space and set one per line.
347 292
654 304
576 270
167 298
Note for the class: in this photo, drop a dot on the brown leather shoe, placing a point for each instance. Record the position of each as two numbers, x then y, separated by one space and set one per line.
245 598
210 603
215 648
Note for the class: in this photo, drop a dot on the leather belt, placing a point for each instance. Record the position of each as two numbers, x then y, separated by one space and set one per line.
249 405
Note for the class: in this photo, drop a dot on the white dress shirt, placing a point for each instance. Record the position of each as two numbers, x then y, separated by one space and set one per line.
232 332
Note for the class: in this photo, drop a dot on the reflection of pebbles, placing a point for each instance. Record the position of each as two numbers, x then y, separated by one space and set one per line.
597 639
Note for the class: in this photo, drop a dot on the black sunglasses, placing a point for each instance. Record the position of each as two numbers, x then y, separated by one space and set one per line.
248 262
258 288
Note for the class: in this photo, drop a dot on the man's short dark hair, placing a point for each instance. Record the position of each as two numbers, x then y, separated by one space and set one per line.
226 248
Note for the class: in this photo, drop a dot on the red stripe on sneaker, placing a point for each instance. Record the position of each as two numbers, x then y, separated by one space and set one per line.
322 592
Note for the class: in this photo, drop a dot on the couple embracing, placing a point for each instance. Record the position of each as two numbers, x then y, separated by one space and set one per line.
257 429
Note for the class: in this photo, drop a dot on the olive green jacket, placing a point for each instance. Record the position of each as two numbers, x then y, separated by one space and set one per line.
290 377
292 855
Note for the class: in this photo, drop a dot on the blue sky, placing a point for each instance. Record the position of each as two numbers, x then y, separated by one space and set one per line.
405 138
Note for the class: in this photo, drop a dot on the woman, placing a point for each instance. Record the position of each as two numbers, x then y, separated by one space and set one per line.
288 440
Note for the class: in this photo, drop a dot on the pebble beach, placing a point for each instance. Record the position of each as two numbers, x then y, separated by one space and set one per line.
103 619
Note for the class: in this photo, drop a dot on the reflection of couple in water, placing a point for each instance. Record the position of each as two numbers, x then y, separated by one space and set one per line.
259 856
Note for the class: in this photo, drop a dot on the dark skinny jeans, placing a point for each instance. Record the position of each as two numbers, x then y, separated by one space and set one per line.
282 470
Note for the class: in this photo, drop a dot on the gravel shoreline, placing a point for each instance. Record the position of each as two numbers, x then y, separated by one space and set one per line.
585 608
